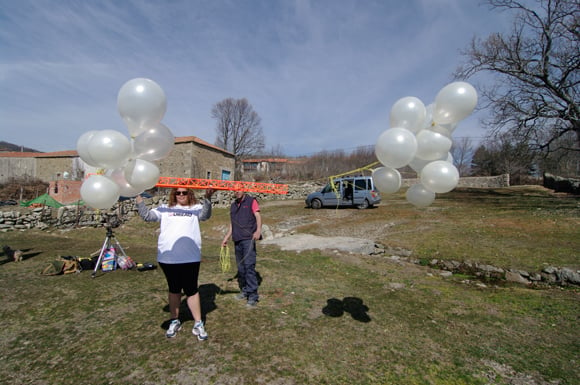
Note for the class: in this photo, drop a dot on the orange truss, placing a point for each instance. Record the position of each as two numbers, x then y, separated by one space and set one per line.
268 188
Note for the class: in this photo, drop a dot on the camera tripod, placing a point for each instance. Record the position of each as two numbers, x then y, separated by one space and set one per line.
109 239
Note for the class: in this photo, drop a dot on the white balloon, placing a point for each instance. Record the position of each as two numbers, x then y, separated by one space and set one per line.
449 158
99 192
141 102
396 147
155 143
429 115
109 148
454 102
446 129
141 174
417 164
83 148
432 145
441 129
419 196
439 176
387 180
408 112
125 188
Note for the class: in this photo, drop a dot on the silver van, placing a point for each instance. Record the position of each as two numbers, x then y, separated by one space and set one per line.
357 191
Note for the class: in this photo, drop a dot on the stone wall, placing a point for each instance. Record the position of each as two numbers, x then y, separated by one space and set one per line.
64 217
474 182
560 184
49 169
16 168
482 273
211 164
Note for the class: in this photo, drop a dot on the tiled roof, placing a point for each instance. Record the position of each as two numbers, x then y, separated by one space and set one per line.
18 154
185 139
58 154
269 160
274 160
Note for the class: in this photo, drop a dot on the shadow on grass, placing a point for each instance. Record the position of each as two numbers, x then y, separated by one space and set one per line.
207 294
235 284
25 256
352 305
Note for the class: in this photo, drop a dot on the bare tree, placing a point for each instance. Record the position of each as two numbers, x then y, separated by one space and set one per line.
561 162
275 152
504 155
482 163
513 157
536 96
238 129
462 152
327 163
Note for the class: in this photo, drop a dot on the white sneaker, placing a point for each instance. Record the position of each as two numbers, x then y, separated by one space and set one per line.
199 331
174 327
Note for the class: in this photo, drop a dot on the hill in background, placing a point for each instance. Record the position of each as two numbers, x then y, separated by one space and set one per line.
9 147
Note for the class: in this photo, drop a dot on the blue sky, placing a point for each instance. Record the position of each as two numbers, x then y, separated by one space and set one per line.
322 74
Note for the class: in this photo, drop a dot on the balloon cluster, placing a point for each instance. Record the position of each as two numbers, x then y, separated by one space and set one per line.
420 137
127 165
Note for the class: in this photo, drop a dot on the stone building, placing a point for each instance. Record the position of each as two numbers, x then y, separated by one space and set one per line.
194 158
17 165
191 157
272 167
265 165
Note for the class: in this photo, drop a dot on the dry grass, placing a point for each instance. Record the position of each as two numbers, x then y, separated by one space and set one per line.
324 317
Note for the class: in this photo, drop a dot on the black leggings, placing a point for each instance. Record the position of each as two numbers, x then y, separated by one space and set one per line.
181 276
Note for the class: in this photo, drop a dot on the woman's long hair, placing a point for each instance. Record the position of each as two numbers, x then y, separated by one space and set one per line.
191 199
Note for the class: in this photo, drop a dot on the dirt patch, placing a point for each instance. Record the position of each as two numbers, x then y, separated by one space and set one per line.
300 242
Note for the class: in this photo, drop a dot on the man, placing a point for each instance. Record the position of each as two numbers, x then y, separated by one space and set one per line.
245 229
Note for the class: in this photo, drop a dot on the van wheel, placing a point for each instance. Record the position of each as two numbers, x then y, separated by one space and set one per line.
316 204
364 205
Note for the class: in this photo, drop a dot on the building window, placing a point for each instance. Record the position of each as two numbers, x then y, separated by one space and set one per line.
250 166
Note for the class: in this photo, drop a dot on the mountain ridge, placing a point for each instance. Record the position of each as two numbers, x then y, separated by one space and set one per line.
9 147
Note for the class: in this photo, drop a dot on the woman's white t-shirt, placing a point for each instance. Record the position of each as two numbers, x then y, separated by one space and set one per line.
180 235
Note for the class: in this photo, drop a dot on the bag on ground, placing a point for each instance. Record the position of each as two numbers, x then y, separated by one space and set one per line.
62 265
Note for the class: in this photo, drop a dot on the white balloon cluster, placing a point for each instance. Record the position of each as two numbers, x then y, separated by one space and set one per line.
127 165
420 137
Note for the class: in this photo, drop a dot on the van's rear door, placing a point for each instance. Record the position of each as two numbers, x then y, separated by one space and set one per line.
361 187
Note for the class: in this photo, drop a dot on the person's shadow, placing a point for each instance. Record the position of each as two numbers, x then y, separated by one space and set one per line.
207 294
234 279
352 305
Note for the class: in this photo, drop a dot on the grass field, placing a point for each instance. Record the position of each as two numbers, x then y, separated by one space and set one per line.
324 317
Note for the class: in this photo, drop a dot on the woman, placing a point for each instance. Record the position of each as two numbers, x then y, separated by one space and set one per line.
179 251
